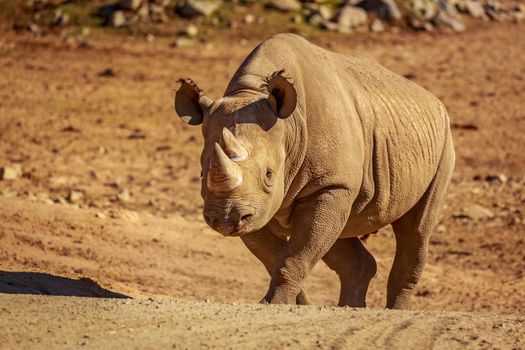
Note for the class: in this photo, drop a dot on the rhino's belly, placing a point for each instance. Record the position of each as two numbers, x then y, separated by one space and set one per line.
394 181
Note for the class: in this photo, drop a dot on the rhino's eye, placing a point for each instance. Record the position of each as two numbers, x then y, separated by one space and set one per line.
269 174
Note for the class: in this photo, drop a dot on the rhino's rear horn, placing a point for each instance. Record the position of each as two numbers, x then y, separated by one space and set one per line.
231 146
223 174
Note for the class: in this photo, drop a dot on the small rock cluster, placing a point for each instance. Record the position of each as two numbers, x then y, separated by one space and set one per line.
344 16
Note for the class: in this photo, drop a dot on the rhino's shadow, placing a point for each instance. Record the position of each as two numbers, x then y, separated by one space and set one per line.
47 284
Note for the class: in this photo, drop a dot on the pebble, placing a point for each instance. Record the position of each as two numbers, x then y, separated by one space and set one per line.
478 212
192 30
117 19
124 196
8 173
249 19
75 196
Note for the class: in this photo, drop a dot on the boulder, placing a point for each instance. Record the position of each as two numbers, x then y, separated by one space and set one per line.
386 9
130 4
8 173
444 20
285 5
350 17
196 8
475 9
117 19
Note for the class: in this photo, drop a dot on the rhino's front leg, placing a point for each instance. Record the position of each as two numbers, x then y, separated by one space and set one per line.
265 246
317 223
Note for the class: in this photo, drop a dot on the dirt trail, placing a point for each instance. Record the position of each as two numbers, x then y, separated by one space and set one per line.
146 324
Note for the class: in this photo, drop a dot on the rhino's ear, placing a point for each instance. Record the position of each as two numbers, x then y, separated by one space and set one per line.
282 95
190 102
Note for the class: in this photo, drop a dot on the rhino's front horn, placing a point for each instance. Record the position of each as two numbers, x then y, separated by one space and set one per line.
223 174
233 149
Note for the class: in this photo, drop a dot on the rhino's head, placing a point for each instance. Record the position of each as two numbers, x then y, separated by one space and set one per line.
243 160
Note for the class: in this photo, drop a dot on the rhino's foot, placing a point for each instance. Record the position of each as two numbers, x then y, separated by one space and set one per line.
303 298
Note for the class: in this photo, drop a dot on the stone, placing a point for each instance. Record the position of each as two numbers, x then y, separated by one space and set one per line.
192 30
444 20
326 12
477 212
8 173
475 9
157 13
117 19
143 13
196 8
385 9
377 26
249 18
130 4
351 17
60 18
285 5
316 20
75 196
182 42
124 196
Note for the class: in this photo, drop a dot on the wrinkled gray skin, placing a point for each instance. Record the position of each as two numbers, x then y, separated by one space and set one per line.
300 163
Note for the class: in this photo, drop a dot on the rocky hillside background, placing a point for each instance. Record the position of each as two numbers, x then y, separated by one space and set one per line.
201 20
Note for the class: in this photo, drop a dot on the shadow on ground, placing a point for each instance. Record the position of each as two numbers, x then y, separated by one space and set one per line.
47 284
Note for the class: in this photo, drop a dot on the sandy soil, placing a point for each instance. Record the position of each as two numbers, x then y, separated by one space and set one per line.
137 230
165 324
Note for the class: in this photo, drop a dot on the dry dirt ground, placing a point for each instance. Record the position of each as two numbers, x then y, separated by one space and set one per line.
98 119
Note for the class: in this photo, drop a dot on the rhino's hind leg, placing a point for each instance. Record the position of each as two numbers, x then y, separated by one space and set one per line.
355 267
412 232
265 247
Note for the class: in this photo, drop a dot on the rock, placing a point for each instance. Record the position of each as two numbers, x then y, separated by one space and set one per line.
326 12
143 13
75 196
182 42
117 19
285 5
502 178
8 173
150 38
100 215
444 20
192 30
124 196
386 9
423 9
351 17
377 26
477 212
157 13
196 8
34 28
249 19
60 18
130 4
316 20
475 9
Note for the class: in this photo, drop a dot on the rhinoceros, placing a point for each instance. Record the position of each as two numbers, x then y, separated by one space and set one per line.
309 150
